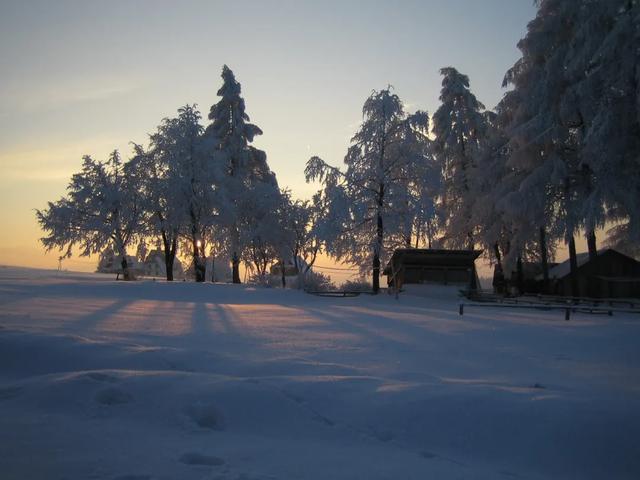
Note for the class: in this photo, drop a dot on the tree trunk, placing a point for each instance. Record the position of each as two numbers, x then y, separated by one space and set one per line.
168 264
544 260
126 274
573 263
519 275
498 274
198 268
376 272
213 269
284 280
376 255
122 252
169 255
235 263
591 245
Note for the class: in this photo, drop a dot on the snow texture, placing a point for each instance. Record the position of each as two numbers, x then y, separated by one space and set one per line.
156 380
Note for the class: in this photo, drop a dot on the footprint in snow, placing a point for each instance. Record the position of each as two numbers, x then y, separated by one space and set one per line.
8 393
325 420
113 396
292 396
383 435
507 473
193 458
205 416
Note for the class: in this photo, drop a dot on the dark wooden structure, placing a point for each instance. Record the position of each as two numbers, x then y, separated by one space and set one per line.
425 265
531 279
610 275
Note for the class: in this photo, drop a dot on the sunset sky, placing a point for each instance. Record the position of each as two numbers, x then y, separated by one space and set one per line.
85 77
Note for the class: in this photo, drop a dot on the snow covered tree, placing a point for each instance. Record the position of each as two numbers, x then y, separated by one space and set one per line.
573 136
229 136
101 208
304 219
493 184
368 203
541 148
260 233
602 72
508 223
189 182
176 186
162 218
422 184
298 238
460 129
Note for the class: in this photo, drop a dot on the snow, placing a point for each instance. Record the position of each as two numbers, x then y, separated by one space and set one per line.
154 380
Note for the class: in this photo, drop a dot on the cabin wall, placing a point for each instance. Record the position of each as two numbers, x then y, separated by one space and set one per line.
624 278
437 275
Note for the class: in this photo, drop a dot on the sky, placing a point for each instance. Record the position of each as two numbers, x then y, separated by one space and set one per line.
87 77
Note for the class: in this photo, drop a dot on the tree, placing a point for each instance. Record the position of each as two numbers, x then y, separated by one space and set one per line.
191 180
304 220
544 140
368 203
297 237
161 217
102 208
229 136
261 235
573 131
603 76
460 128
174 185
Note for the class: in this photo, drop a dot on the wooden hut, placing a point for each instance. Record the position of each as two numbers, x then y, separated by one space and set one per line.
610 275
425 265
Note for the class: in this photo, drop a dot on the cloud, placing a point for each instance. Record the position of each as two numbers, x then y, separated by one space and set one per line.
53 163
66 92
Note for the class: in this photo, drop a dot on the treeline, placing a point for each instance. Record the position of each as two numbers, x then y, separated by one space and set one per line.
558 157
193 189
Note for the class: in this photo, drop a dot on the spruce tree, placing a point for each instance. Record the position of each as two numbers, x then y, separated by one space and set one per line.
229 135
460 128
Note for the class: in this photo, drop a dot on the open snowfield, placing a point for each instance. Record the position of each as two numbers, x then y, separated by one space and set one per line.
151 380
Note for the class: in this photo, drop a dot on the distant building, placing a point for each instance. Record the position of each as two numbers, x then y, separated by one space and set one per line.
532 278
290 268
111 263
154 265
435 266
610 275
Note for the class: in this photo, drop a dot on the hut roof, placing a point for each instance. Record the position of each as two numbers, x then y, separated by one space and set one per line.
426 257
563 269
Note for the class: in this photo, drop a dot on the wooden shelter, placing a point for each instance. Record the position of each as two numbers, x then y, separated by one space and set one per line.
610 275
425 265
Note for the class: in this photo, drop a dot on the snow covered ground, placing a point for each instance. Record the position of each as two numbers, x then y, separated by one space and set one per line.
152 380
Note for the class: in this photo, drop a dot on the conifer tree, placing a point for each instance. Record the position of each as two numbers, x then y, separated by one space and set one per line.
460 129
229 135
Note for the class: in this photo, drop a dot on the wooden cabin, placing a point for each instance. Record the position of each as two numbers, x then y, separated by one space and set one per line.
435 266
610 275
